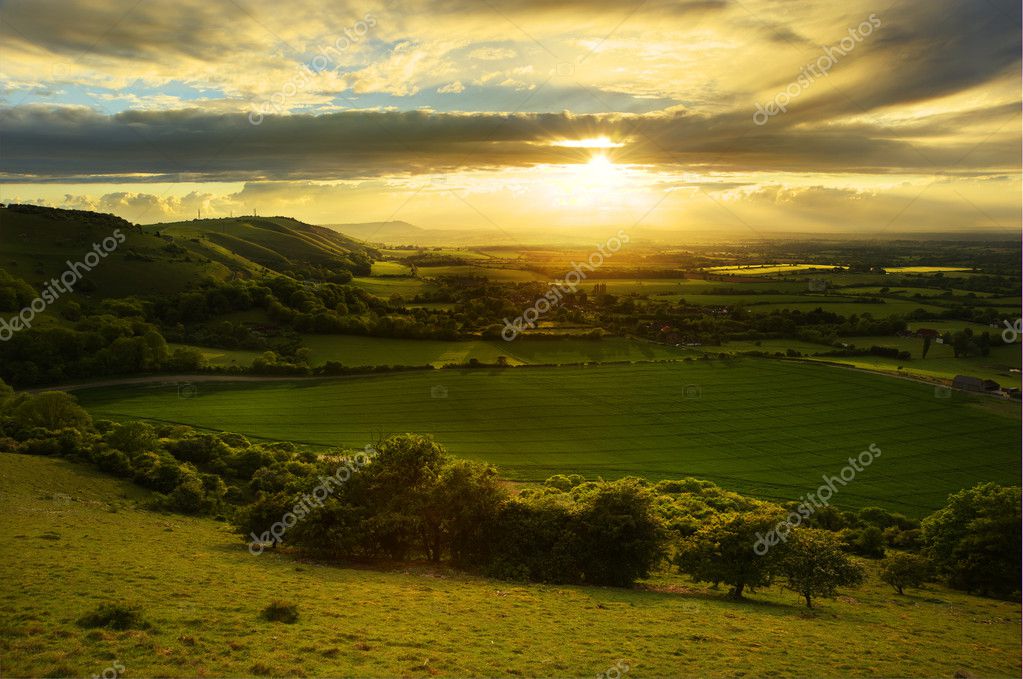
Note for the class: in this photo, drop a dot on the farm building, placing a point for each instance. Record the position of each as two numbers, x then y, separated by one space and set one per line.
967 383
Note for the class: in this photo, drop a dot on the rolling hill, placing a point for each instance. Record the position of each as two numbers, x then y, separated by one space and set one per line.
36 244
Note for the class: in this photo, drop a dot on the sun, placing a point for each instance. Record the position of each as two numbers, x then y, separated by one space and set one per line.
599 171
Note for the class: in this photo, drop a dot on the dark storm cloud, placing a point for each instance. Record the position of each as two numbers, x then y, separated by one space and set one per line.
51 144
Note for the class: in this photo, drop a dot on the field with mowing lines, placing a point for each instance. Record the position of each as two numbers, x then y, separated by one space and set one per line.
762 427
202 592
383 286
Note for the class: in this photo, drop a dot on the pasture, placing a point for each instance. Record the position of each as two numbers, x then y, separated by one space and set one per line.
763 427
353 350
201 591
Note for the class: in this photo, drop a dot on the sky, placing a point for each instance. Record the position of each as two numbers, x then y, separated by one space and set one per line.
730 116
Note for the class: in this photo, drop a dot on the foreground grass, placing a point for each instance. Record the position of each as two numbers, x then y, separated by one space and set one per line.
762 427
77 542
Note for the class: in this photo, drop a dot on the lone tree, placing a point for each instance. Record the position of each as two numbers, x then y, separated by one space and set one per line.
904 570
722 550
815 565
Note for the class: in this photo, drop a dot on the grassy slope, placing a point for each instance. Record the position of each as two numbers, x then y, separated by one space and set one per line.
202 592
36 247
265 238
762 427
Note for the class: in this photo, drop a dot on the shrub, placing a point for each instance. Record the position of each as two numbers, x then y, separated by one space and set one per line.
904 570
115 616
280 611
814 565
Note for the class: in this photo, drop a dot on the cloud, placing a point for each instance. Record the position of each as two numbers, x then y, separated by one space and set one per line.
451 88
492 53
65 143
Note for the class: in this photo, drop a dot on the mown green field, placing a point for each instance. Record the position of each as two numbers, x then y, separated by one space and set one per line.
763 427
383 286
78 540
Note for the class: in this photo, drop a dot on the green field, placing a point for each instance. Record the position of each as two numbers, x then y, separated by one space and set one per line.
761 269
383 286
762 427
221 358
354 350
202 591
848 307
939 363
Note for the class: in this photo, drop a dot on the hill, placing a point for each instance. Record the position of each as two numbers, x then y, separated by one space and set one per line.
36 244
277 243
201 592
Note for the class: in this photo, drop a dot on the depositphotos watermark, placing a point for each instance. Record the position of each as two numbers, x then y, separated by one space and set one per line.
113 672
58 286
615 672
557 291
816 500
328 55
814 70
324 489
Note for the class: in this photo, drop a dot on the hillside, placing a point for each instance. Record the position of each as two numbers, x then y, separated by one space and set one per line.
202 592
37 242
277 243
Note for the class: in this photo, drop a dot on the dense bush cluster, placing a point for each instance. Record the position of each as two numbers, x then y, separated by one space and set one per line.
411 500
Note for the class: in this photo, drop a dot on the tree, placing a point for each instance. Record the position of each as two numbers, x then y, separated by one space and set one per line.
927 346
132 437
454 510
722 550
620 536
814 565
974 541
901 570
868 542
52 410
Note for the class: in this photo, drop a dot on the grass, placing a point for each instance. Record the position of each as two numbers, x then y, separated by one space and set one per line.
492 273
760 269
890 307
939 363
925 269
385 287
354 350
763 427
203 593
221 358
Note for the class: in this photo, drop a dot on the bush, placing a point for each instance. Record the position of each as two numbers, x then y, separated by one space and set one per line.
904 570
280 611
114 616
868 542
